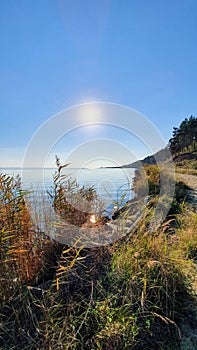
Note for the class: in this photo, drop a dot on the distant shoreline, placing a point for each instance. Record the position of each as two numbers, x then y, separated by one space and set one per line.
28 168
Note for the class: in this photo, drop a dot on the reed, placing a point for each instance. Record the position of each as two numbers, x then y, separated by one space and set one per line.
134 294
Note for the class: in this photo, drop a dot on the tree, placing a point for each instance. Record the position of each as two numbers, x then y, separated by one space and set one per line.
184 138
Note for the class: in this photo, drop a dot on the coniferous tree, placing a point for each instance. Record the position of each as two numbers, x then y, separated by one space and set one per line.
184 138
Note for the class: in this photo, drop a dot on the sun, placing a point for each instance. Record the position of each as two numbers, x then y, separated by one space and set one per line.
91 113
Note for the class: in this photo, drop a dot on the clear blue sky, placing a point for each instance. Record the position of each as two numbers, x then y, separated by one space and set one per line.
55 54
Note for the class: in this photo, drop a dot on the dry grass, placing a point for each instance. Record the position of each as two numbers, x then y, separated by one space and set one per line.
133 294
23 248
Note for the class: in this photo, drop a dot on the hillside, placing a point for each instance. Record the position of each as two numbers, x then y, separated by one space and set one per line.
185 162
182 145
161 155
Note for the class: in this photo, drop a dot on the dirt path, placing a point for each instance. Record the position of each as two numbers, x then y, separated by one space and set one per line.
189 331
189 180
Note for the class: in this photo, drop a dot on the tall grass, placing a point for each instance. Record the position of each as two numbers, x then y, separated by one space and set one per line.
133 294
23 248
73 203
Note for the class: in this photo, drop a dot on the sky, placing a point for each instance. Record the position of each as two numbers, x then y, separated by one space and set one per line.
56 54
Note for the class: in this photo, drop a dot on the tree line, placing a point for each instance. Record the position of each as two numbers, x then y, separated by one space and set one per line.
184 138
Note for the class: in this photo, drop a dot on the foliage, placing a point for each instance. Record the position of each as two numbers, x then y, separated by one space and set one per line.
184 137
147 181
73 203
150 175
23 248
133 294
187 163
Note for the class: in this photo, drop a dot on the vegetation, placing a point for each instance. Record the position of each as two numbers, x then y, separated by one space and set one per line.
186 163
24 250
148 178
184 137
182 145
131 295
137 293
73 203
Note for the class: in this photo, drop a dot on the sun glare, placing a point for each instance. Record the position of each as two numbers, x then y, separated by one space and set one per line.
91 113
93 219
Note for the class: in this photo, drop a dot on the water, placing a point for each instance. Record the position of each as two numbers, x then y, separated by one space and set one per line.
111 184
